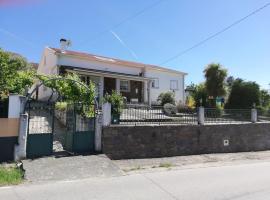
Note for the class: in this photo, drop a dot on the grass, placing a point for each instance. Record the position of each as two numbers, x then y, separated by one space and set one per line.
165 165
10 176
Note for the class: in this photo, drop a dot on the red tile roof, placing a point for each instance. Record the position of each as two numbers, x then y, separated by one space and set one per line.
111 60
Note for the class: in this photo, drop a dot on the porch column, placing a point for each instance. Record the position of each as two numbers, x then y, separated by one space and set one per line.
101 89
149 92
145 91
117 87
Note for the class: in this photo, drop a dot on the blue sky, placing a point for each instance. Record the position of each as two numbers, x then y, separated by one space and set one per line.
155 35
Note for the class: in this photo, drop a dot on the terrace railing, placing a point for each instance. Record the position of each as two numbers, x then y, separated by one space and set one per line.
226 116
143 114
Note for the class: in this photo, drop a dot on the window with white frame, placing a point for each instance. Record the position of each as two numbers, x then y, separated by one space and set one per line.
174 85
124 86
155 83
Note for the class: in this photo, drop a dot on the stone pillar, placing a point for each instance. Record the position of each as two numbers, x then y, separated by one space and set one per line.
117 86
201 116
20 149
254 115
98 132
106 113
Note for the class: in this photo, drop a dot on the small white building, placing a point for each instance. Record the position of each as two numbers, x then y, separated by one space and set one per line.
137 82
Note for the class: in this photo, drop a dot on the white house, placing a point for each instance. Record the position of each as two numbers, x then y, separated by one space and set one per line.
138 82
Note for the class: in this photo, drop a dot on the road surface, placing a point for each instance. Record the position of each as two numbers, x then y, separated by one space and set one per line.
237 182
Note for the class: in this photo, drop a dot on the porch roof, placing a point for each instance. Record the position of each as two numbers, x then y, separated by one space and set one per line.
95 72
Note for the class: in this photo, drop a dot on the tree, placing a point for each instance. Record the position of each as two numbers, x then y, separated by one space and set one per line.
264 99
199 94
243 95
215 76
15 74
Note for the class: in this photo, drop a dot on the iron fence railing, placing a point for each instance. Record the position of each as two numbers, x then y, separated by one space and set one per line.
219 116
143 114
263 115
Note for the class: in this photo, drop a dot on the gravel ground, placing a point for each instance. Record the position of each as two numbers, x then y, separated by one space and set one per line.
194 161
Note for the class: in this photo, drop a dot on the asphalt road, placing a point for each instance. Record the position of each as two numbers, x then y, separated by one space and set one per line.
237 182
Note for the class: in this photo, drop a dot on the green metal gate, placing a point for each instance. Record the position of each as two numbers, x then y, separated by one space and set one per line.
80 137
40 129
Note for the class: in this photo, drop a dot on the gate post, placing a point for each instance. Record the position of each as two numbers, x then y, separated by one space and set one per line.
201 116
106 112
254 115
20 149
98 132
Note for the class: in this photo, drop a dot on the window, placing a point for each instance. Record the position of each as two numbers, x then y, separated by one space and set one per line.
155 83
174 85
124 86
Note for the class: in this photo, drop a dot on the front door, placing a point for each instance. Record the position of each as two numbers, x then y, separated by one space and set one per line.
109 85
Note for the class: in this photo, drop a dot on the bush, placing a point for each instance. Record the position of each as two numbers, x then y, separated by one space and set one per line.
190 102
169 109
182 108
62 106
219 111
167 97
117 101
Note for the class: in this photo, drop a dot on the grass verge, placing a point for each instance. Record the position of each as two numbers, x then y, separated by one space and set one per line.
10 176
166 165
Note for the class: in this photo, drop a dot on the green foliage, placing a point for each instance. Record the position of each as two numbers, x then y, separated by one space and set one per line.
116 100
215 77
166 97
16 74
70 87
73 90
243 94
264 99
62 106
199 95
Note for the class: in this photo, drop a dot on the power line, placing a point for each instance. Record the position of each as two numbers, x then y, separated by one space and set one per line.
140 12
215 34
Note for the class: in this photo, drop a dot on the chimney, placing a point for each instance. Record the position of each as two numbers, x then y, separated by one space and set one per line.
63 44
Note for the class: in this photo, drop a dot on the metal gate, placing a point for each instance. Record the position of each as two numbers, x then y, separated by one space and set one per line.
80 137
48 134
40 129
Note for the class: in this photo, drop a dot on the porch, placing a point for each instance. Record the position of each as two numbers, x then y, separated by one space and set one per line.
136 89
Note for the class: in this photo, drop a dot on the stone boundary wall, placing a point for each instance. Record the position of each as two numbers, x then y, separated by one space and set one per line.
126 142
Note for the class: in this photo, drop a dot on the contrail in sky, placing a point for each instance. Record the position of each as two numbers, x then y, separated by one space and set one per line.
134 55
17 37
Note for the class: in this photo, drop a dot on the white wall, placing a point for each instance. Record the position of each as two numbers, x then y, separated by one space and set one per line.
47 66
164 83
50 61
88 64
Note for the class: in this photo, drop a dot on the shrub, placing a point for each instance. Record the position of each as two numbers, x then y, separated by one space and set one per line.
62 106
167 97
117 101
190 102
169 109
181 108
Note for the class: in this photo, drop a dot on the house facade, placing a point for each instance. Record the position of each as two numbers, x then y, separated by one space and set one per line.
137 82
